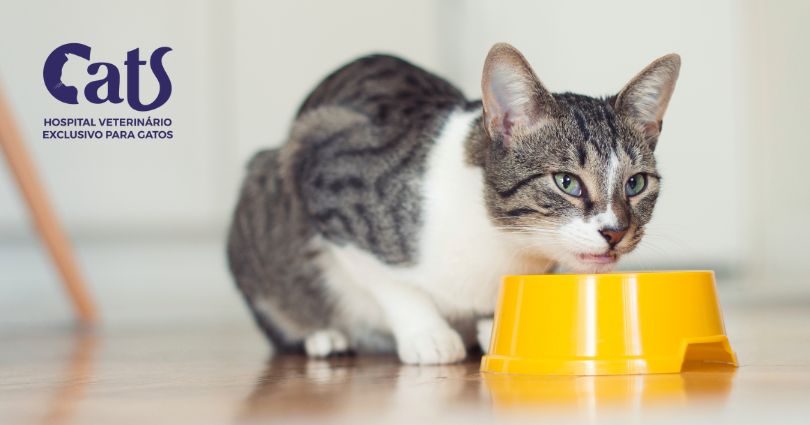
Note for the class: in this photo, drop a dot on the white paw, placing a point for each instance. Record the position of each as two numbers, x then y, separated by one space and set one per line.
431 346
326 342
484 333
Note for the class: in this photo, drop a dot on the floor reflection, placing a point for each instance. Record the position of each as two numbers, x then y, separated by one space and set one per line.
78 369
362 385
706 385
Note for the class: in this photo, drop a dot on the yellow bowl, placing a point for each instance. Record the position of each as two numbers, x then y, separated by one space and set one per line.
607 324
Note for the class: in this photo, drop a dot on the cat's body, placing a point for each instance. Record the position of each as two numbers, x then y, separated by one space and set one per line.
387 218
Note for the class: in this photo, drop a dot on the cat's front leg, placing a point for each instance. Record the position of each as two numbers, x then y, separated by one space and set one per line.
422 335
483 330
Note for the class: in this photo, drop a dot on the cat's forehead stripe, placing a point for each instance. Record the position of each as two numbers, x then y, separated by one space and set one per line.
586 135
582 154
594 119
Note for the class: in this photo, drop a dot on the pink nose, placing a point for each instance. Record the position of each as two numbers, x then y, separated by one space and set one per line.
613 236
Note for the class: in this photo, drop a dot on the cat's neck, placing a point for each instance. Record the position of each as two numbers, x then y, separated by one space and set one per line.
475 145
459 245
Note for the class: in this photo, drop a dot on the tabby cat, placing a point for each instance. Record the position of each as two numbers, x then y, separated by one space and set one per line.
386 220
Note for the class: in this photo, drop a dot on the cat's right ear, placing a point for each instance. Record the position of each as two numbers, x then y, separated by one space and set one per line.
643 101
515 102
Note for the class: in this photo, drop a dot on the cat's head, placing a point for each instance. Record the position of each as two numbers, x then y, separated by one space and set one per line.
572 177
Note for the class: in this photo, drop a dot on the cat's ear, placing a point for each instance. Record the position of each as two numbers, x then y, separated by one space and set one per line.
515 102
644 99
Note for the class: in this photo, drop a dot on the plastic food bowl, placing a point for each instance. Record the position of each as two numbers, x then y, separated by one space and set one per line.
607 324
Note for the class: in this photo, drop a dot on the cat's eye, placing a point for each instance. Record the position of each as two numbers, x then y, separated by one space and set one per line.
635 184
568 183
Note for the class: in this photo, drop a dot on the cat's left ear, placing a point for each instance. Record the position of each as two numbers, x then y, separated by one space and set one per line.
515 102
644 99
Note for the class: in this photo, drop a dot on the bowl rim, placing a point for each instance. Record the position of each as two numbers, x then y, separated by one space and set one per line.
621 273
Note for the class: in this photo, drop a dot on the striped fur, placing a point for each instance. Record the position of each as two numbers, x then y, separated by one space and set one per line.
391 184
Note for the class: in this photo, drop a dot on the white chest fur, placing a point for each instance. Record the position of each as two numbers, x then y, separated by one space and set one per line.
462 255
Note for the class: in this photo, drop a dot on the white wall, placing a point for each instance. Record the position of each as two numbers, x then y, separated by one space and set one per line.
778 65
240 70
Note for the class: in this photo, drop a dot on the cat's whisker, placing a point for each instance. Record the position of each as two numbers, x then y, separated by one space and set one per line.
652 246
528 230
656 240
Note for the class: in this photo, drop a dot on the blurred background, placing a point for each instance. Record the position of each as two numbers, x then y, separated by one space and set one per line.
149 218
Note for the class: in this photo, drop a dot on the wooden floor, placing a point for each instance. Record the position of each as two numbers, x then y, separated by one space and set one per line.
218 375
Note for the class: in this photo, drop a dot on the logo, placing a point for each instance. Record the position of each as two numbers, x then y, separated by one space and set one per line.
52 75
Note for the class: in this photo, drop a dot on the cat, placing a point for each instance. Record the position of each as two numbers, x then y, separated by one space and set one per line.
386 220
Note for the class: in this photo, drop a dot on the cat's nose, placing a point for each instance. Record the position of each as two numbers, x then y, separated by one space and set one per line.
613 236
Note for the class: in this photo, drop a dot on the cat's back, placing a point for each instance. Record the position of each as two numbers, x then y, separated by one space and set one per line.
358 150
386 89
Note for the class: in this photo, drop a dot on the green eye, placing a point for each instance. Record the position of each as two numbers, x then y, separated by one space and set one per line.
568 183
635 185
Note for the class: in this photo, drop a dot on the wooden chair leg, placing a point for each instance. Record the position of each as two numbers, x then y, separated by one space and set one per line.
44 218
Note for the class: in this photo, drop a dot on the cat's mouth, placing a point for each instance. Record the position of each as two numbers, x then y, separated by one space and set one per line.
603 259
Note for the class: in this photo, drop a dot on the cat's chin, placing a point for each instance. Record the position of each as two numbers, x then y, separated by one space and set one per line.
600 268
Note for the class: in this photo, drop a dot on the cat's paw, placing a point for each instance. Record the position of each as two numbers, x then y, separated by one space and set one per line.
483 332
431 346
325 343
